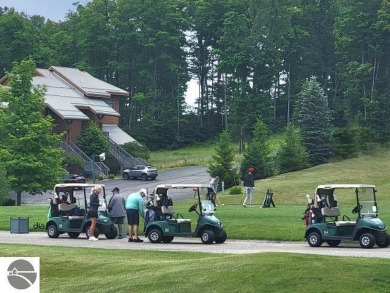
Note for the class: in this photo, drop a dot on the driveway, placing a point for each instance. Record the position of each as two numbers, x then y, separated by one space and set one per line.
195 245
194 174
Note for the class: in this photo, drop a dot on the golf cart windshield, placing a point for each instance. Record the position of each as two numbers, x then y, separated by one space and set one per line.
367 202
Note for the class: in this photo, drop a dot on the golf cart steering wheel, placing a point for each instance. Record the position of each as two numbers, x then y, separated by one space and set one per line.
193 208
357 209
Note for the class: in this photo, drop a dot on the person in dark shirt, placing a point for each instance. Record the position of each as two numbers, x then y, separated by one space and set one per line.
93 211
249 184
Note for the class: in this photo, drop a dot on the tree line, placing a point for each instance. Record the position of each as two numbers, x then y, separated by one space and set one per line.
250 58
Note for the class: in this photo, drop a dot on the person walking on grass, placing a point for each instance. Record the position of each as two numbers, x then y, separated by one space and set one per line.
93 211
134 209
249 184
117 210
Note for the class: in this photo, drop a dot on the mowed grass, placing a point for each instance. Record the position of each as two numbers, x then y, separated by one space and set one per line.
199 155
66 269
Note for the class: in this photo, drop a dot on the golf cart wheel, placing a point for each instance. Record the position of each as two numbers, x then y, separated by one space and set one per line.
144 177
52 231
73 234
167 239
221 239
385 243
333 243
155 236
207 236
113 233
314 239
96 234
367 240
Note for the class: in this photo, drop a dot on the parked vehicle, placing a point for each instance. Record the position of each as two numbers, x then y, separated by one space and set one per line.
68 212
143 172
322 217
161 223
75 178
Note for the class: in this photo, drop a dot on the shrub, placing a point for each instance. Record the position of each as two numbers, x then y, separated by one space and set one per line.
111 176
137 150
235 190
9 202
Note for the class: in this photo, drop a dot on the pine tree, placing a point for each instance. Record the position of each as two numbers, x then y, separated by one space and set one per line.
292 155
222 162
312 116
258 153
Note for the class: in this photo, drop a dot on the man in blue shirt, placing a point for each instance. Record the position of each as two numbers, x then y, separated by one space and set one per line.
135 208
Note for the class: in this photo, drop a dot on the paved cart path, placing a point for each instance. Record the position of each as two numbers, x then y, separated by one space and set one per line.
195 245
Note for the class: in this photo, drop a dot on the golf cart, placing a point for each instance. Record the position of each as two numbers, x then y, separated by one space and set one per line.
324 222
67 215
161 223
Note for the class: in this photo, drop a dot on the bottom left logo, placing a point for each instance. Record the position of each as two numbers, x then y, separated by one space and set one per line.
23 273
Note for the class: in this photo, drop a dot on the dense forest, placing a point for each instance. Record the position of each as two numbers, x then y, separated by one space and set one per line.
250 58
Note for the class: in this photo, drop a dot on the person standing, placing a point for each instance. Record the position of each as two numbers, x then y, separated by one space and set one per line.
93 211
117 209
249 184
134 209
213 185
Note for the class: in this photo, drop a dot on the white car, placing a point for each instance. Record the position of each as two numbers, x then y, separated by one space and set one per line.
143 172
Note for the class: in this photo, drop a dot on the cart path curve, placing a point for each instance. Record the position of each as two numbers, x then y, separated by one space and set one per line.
195 245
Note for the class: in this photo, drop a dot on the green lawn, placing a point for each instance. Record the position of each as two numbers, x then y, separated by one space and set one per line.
65 269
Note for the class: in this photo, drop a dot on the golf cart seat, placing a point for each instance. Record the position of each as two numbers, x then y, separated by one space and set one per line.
67 211
169 211
66 207
334 213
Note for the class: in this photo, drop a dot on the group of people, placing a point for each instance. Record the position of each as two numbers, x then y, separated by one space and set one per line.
249 185
119 209
133 207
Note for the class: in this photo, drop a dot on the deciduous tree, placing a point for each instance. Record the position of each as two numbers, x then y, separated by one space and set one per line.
29 150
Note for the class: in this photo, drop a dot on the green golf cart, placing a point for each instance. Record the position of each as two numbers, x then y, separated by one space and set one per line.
360 222
162 225
68 212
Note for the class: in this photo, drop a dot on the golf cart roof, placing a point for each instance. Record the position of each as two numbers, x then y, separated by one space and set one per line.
181 186
335 186
69 187
64 185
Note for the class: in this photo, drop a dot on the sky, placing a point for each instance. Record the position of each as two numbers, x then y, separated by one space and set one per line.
56 10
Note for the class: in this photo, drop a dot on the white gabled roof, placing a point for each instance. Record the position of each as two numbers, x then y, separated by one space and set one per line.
67 99
87 84
117 134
